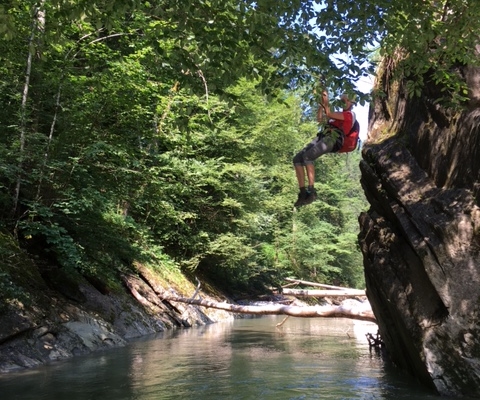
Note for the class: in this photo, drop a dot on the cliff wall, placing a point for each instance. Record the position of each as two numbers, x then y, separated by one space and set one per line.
421 237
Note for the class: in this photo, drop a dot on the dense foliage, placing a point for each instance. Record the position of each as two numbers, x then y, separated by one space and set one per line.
162 131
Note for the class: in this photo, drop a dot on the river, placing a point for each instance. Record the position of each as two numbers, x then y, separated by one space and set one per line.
248 359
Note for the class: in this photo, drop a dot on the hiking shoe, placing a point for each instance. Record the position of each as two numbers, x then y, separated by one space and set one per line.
302 197
311 197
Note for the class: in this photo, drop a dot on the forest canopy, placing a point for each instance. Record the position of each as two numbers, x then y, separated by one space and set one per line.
163 131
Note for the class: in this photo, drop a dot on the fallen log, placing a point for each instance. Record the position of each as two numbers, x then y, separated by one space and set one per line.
307 283
361 312
323 293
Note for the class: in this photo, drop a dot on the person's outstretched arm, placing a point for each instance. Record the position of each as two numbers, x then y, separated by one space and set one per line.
326 107
321 114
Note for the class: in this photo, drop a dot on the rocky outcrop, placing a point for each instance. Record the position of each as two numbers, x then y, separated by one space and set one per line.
421 237
66 316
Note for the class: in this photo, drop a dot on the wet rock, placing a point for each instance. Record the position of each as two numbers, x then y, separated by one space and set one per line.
59 323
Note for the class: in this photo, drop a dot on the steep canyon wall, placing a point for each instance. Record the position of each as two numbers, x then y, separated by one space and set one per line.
421 237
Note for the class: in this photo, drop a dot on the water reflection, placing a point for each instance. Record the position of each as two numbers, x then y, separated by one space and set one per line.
246 359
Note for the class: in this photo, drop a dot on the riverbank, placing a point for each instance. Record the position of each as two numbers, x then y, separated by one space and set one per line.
57 315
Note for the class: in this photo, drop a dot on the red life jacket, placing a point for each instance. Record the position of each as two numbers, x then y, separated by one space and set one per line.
350 128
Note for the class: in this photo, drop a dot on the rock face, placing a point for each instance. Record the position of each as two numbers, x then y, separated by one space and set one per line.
66 317
421 237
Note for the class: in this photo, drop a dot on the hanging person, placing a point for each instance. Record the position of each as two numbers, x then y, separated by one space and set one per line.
341 127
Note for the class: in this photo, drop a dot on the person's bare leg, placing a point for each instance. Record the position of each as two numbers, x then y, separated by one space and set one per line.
300 172
310 174
312 194
302 195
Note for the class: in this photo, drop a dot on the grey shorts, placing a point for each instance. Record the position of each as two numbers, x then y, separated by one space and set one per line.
327 142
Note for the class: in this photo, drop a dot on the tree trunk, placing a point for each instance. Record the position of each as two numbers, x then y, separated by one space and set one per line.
323 293
38 24
360 312
307 283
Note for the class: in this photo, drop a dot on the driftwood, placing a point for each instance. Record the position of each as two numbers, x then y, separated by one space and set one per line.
333 291
375 340
323 293
307 283
358 312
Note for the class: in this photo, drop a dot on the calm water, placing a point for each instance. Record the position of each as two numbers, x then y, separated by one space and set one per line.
247 359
